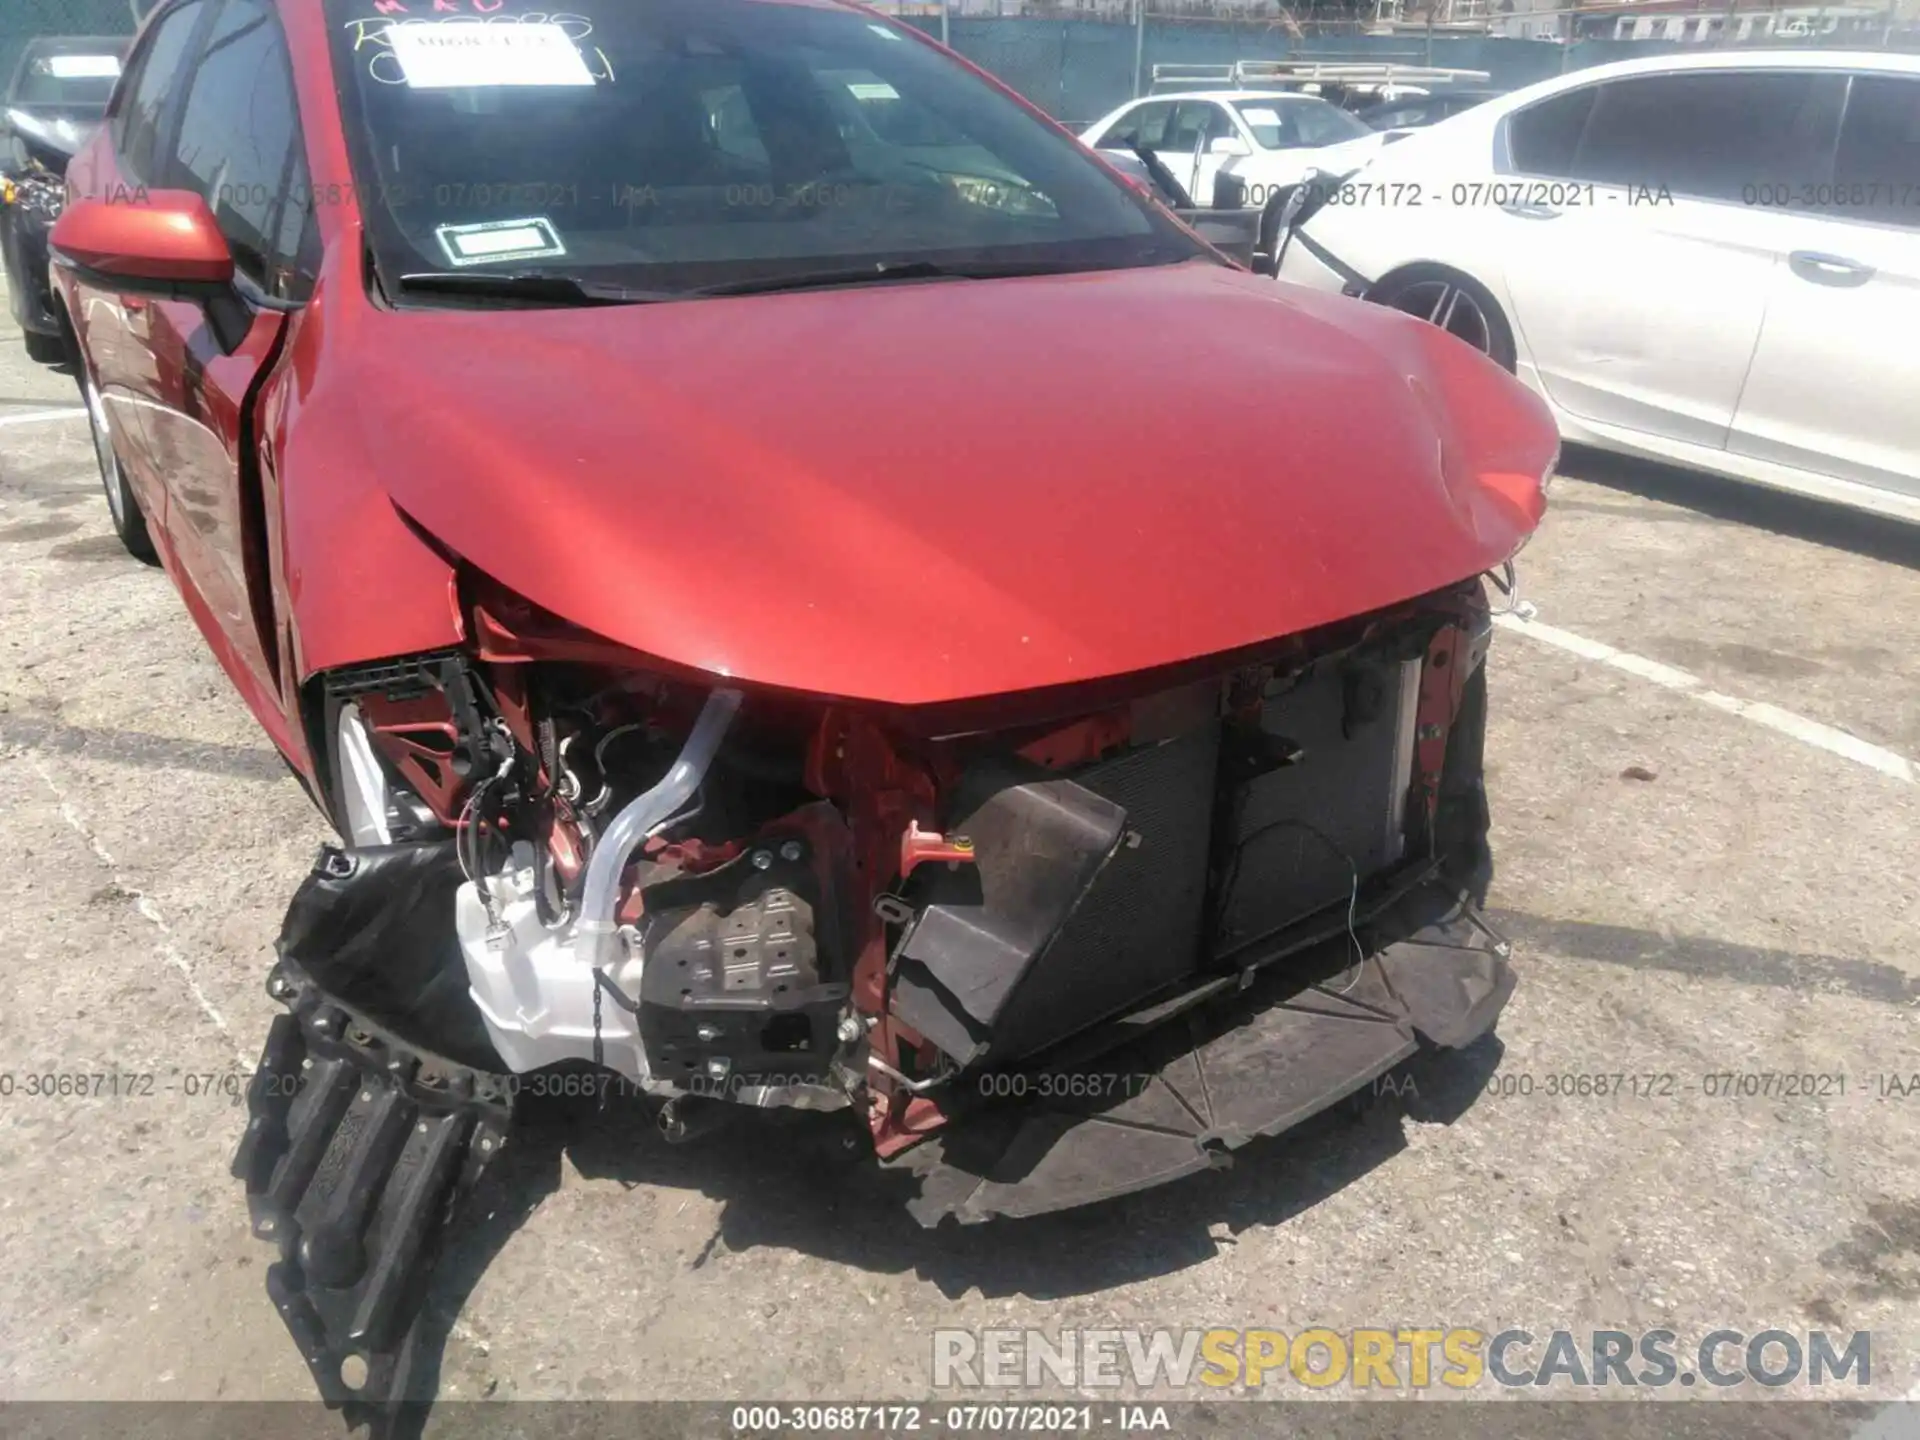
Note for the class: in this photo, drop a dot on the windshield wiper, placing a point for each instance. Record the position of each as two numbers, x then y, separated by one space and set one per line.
532 286
538 287
881 272
885 272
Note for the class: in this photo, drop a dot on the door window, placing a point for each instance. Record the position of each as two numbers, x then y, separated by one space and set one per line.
239 145
1194 124
1542 138
1876 169
1714 135
140 115
1313 122
1142 128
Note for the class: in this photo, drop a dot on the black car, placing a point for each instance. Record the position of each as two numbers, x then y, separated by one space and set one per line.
1414 112
57 97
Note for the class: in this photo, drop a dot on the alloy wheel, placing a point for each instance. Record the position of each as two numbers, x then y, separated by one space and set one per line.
1450 307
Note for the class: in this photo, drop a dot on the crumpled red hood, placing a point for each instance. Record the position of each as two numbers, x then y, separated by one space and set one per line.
926 492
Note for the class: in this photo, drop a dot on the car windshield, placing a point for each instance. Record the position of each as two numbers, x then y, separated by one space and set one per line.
1293 122
75 76
679 145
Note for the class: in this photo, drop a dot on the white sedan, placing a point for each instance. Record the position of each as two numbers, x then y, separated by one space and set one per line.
1712 260
1269 139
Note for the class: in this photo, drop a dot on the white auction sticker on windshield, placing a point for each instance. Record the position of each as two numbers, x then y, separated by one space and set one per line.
445 57
83 67
872 90
534 239
1262 117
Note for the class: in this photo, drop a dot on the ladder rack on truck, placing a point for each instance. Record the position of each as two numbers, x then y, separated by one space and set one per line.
1352 78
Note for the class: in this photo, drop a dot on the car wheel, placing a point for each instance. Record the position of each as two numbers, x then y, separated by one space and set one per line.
1457 303
44 349
124 508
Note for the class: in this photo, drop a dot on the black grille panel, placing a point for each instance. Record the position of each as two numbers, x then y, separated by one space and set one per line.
1305 830
1139 926
1099 888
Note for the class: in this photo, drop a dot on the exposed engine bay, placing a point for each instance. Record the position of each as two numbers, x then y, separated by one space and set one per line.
1041 949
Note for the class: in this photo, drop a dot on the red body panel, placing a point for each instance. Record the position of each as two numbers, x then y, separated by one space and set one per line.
160 234
919 493
907 494
338 577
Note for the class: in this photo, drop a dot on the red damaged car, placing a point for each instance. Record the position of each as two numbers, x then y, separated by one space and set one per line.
799 587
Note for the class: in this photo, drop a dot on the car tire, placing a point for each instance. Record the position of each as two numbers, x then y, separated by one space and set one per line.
1457 303
123 506
45 349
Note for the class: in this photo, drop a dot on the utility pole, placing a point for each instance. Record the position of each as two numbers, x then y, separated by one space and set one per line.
1139 45
946 37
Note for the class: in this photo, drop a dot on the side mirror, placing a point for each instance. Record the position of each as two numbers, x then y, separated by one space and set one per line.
1231 146
159 243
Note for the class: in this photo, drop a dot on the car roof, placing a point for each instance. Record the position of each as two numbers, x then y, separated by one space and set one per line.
1227 95
1768 59
1834 61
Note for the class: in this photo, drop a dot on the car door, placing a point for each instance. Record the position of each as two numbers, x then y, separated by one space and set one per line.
237 142
1830 389
116 327
1186 148
1143 126
1637 270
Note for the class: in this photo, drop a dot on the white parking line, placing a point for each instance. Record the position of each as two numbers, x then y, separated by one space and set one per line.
1808 732
35 417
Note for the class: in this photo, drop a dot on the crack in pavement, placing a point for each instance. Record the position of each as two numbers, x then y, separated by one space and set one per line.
142 903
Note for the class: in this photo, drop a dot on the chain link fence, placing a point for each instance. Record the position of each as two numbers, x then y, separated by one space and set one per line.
1078 61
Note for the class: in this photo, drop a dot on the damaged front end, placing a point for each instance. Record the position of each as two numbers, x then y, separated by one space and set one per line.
1041 949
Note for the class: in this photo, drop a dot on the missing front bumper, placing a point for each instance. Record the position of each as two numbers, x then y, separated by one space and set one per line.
380 1099
1248 1062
